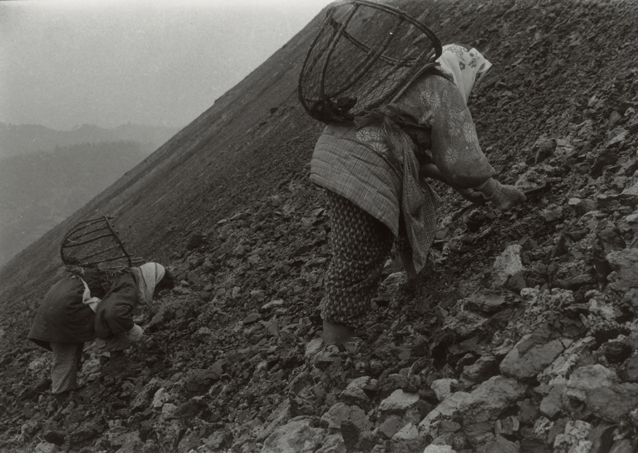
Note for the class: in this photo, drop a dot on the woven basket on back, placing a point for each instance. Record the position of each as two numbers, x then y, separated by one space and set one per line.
95 243
364 55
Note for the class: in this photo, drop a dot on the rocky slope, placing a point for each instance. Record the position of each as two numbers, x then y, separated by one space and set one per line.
521 335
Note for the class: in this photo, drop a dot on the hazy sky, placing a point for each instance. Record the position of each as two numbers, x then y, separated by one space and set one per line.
108 62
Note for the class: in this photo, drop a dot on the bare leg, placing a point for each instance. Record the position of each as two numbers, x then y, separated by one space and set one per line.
336 333
408 264
360 246
64 370
118 361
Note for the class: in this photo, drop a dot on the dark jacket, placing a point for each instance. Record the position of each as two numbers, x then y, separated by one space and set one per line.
115 312
62 317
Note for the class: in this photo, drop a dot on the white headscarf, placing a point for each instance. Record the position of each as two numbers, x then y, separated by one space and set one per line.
465 66
151 274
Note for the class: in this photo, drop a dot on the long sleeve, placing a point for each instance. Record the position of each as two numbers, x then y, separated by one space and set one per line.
454 144
115 312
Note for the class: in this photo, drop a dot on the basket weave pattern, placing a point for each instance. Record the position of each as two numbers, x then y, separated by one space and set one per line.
95 243
364 54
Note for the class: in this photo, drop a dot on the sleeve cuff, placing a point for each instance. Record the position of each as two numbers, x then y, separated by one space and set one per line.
487 188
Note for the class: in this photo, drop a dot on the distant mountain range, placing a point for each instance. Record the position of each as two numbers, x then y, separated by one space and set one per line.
30 138
46 175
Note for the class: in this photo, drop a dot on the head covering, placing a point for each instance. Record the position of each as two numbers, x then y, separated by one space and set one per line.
465 65
150 276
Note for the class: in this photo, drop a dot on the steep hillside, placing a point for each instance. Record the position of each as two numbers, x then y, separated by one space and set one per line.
521 335
226 157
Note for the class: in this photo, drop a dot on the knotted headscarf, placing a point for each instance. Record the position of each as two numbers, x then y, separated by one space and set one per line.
465 65
149 275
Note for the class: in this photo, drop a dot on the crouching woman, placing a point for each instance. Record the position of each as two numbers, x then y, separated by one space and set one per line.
87 304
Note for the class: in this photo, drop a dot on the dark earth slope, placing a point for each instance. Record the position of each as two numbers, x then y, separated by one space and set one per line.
520 337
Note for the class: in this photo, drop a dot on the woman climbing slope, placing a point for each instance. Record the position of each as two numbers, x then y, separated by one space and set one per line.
86 304
373 175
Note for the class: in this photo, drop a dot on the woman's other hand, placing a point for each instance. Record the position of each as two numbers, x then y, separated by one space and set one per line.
506 197
472 195
432 171
136 333
502 196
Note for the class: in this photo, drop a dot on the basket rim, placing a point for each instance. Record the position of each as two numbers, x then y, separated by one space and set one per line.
329 20
109 231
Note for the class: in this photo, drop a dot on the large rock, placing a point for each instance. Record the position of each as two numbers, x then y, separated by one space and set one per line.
629 370
485 367
85 433
54 437
221 439
355 392
408 440
340 413
198 381
600 389
281 415
439 449
588 378
491 301
333 444
560 368
446 410
531 355
622 446
313 347
490 399
630 195
144 397
613 403
161 397
45 447
500 445
465 324
582 206
552 404
398 402
507 265
629 223
390 426
574 438
624 264
131 442
443 388
573 275
297 436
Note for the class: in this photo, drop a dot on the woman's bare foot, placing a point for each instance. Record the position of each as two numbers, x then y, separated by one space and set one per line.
336 333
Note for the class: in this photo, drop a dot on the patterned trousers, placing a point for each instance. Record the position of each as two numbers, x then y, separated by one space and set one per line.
64 369
67 358
360 244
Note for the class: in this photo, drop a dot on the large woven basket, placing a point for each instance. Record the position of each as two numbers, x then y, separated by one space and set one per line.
364 55
96 244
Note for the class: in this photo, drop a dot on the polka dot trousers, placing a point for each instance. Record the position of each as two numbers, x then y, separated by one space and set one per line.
361 244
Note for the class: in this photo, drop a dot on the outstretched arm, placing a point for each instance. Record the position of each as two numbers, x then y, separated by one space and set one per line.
408 265
432 171
503 197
